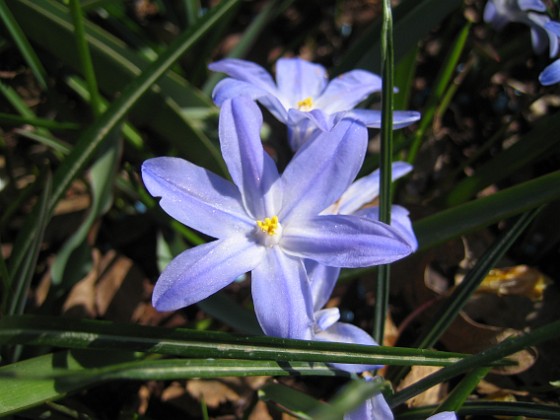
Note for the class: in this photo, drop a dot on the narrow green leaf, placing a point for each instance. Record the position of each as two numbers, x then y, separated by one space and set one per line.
414 19
536 144
459 297
462 390
476 361
19 394
450 308
60 147
160 109
20 106
349 398
492 408
96 135
442 82
73 260
294 402
129 132
451 223
226 310
31 382
55 375
14 301
23 44
87 334
192 11
85 57
37 122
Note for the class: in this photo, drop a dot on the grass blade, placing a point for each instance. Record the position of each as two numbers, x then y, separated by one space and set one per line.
448 224
23 44
461 392
97 134
414 19
536 144
86 334
504 349
85 56
456 301
385 195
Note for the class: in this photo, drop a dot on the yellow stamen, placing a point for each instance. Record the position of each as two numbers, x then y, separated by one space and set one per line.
268 225
305 104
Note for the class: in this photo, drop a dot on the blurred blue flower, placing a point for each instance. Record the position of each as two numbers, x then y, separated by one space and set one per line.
302 96
499 13
551 74
266 223
376 408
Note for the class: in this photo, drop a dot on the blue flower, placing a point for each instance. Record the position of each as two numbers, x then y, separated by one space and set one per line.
302 96
551 74
267 223
500 12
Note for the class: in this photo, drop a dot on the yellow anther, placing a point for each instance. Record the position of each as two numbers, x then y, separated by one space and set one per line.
268 225
305 104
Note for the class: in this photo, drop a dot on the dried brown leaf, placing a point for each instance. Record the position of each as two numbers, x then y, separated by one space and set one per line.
434 395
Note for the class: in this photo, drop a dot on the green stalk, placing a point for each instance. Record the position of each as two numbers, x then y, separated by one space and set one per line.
387 54
85 57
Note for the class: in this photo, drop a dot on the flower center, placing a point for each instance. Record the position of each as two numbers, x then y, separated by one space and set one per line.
269 231
269 225
305 104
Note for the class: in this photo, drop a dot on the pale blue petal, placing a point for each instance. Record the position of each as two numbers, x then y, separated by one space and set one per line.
366 189
536 5
376 408
551 74
246 71
196 197
444 415
305 126
317 117
201 271
491 16
231 88
299 79
282 296
540 37
323 279
322 169
326 318
553 26
400 220
372 118
489 11
345 241
341 332
251 168
348 90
